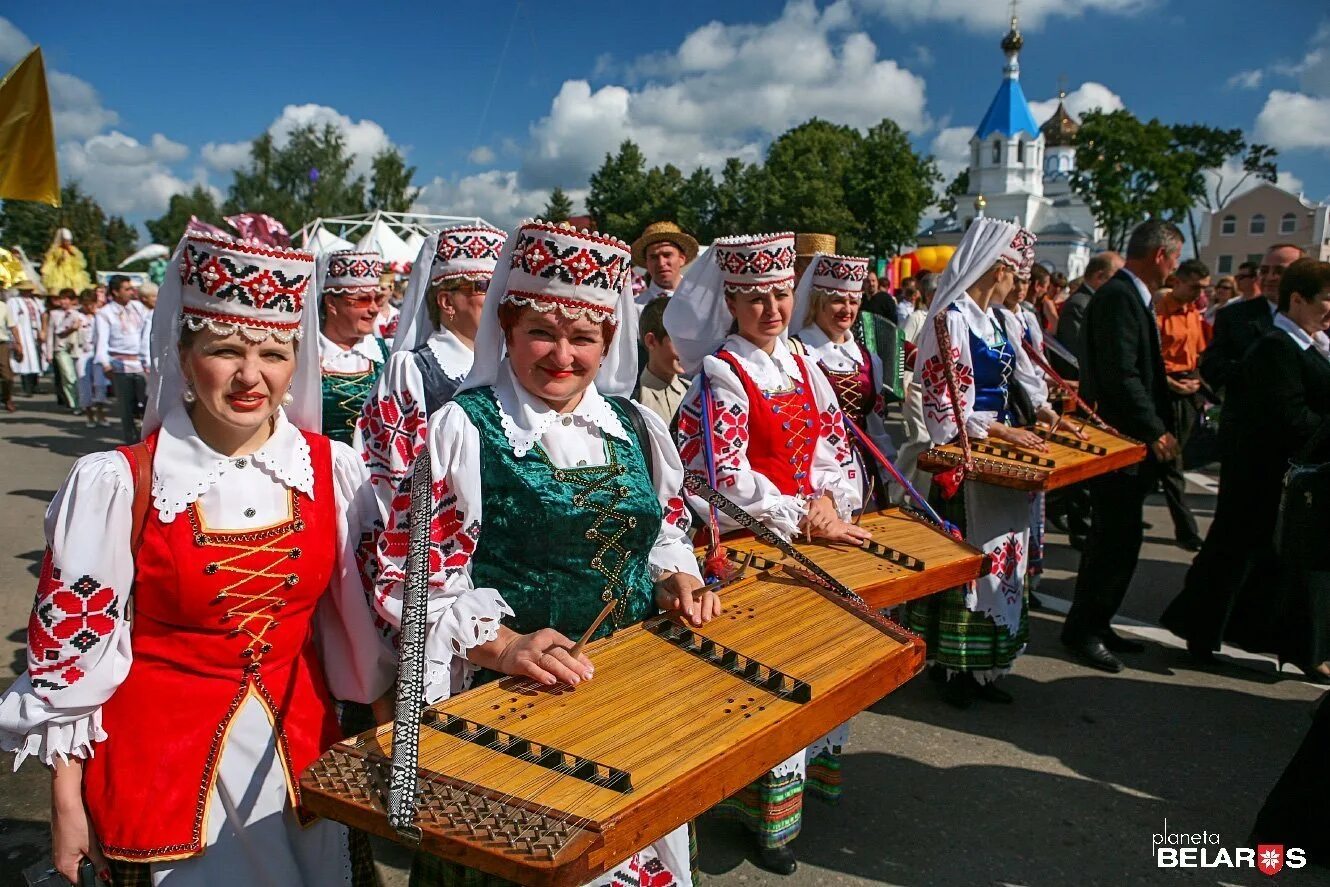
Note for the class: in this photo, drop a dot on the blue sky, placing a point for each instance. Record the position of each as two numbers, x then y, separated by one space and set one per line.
496 103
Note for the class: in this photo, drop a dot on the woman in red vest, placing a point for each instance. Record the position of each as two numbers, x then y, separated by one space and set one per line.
175 740
778 447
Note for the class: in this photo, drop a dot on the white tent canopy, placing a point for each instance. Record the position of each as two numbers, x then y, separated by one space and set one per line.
397 236
151 251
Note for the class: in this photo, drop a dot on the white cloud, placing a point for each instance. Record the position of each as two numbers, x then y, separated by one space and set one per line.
494 195
1313 69
225 157
1086 97
951 150
76 109
126 176
14 44
480 155
1246 79
990 15
1292 120
726 91
364 138
1231 172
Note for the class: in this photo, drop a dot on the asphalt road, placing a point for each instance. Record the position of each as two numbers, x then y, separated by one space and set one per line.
1067 786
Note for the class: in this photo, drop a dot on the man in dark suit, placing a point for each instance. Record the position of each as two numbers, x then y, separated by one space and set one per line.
1238 326
1071 316
1277 400
1122 371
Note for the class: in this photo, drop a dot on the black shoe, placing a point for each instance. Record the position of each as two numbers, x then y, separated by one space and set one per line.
959 691
991 692
1093 653
1190 543
1036 603
1077 541
777 860
1116 643
1146 525
1201 654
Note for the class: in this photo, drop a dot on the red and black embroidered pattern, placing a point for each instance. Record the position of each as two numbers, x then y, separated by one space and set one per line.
67 623
833 422
937 401
469 243
229 279
393 429
452 540
577 263
360 265
636 873
755 259
729 434
676 514
849 271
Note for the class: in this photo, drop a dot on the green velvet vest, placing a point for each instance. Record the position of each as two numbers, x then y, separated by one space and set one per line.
558 543
345 393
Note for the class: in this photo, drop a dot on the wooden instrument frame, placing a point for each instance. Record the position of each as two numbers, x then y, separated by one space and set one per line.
464 822
1016 471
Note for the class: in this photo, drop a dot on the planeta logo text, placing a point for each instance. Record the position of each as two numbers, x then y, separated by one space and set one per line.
1204 850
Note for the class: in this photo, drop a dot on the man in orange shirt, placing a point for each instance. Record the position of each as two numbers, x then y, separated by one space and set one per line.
1183 335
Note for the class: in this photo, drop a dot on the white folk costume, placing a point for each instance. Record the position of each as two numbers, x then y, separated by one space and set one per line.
503 462
349 374
427 364
250 614
982 627
27 311
854 372
777 441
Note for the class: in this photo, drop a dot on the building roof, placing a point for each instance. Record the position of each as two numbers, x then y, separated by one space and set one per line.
1060 129
1009 113
1063 229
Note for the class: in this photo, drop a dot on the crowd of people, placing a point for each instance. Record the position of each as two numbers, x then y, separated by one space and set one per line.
284 403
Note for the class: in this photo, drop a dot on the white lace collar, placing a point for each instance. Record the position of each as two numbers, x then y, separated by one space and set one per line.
772 371
184 467
841 357
526 418
451 352
368 348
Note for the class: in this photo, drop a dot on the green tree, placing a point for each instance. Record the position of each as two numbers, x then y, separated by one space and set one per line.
887 188
957 189
1200 153
741 199
307 178
698 200
390 183
168 228
559 207
1125 171
121 240
806 171
617 197
665 197
33 225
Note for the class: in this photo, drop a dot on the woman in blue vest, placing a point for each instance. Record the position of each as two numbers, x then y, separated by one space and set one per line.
535 438
432 352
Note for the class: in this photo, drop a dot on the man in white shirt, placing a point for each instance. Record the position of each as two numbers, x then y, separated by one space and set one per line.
10 344
664 250
117 333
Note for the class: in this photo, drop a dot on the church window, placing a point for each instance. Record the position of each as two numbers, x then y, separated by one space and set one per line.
997 152
1229 225
1257 224
1020 151
1288 223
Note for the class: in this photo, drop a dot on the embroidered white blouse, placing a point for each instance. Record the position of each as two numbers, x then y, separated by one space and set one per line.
834 468
462 615
1017 325
939 416
390 432
847 357
95 503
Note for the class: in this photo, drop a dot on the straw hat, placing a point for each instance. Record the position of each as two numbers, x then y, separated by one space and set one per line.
663 232
808 245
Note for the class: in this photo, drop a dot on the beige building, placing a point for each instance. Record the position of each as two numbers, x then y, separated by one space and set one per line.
1252 222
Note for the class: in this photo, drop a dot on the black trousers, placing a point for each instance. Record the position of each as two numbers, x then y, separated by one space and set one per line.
1112 548
130 390
1170 476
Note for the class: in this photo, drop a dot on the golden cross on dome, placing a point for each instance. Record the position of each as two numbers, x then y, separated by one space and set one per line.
1014 17
1062 86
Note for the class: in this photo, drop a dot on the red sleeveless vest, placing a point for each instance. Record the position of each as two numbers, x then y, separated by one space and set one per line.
218 617
783 429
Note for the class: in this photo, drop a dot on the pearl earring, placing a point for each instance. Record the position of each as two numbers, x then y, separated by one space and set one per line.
189 396
287 399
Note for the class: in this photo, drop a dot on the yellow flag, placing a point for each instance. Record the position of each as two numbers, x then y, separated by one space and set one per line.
27 138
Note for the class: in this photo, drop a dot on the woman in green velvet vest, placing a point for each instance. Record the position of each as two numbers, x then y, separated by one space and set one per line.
551 496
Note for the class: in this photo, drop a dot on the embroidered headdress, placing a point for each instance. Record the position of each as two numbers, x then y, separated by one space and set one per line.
697 318
580 274
463 252
352 273
230 287
832 276
986 242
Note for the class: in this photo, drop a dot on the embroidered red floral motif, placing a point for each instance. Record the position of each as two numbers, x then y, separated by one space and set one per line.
452 538
676 513
67 623
393 429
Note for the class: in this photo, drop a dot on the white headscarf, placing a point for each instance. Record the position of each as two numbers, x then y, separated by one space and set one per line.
618 371
984 243
166 382
852 286
413 324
